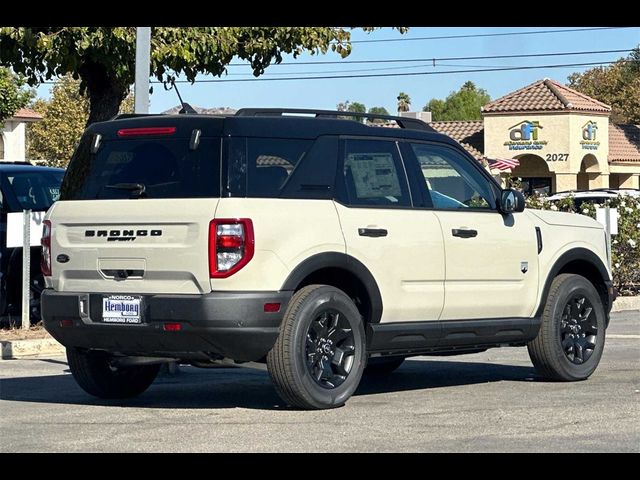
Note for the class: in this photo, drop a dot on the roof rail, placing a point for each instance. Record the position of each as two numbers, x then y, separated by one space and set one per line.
120 116
403 122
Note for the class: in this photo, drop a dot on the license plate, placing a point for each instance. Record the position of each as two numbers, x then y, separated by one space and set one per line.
121 309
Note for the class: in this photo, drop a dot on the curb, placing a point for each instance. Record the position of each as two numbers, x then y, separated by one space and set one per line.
626 303
16 349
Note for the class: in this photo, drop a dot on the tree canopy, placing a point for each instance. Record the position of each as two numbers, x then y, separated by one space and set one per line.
13 95
617 85
64 118
103 58
349 106
464 104
378 111
404 102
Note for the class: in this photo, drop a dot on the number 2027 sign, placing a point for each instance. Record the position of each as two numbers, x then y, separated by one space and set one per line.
557 157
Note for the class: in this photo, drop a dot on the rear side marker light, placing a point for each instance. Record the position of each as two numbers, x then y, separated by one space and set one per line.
138 132
66 323
231 245
271 307
172 327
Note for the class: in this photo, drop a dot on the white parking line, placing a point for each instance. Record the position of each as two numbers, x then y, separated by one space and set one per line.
623 336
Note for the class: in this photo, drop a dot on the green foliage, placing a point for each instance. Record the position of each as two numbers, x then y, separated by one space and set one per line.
617 85
13 95
103 58
64 118
378 111
404 102
349 106
464 104
357 107
625 246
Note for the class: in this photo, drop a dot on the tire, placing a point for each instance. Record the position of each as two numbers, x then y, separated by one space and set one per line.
571 338
95 375
320 354
382 366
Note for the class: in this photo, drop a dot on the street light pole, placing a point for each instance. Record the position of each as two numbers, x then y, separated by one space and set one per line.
143 61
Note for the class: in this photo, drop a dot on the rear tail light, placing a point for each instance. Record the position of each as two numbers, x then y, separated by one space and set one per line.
231 245
45 259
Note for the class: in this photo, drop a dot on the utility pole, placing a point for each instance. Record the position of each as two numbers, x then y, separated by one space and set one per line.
143 61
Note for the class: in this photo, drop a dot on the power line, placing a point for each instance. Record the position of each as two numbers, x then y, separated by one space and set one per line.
406 74
479 35
432 62
442 59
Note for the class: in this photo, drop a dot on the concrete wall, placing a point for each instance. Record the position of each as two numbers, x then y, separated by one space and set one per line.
13 136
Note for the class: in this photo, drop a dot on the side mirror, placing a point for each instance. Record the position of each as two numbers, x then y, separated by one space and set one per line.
511 201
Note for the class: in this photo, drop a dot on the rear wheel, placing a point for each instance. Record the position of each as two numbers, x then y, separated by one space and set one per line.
383 366
571 338
98 376
318 359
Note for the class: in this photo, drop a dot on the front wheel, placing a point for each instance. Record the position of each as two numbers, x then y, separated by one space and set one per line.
571 338
318 359
98 376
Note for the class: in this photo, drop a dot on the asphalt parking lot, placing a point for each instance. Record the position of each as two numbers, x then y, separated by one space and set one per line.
492 401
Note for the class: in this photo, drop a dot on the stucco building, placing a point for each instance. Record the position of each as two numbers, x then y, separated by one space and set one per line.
13 135
562 138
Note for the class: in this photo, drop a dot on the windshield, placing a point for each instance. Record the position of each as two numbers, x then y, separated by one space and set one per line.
35 190
143 168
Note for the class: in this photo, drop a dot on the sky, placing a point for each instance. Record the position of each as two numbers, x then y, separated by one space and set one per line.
327 93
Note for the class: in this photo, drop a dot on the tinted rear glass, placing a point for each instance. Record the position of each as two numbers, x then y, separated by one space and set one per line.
35 190
167 168
261 167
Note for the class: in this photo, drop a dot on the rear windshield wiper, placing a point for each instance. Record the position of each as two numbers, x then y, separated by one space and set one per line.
137 189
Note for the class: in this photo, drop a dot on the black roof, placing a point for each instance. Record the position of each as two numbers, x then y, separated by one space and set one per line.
26 167
261 126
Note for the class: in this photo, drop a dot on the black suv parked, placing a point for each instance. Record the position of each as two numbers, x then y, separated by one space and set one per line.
23 186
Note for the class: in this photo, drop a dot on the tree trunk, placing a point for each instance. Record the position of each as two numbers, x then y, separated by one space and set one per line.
105 92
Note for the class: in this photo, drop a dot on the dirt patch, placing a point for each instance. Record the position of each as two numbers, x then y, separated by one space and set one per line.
10 334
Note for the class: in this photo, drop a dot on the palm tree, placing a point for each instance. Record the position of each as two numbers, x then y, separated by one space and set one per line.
404 102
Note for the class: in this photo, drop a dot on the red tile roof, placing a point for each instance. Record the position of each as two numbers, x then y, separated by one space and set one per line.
470 134
624 143
27 114
545 95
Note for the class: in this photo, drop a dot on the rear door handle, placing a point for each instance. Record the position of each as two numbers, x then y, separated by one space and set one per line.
372 232
464 233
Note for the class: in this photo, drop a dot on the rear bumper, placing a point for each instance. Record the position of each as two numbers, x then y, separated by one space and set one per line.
227 324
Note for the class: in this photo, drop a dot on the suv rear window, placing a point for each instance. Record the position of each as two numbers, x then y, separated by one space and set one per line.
261 167
166 167
35 190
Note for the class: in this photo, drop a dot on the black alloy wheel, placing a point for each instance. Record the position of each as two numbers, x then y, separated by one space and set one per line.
578 329
330 349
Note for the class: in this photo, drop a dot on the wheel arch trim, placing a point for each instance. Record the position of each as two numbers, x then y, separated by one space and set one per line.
343 261
577 253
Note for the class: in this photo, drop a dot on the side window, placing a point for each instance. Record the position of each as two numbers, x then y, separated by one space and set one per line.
373 174
260 167
450 181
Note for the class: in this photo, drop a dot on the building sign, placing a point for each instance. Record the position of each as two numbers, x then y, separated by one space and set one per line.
524 136
589 141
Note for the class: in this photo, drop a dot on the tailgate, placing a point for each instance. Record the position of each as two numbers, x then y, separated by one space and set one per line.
141 246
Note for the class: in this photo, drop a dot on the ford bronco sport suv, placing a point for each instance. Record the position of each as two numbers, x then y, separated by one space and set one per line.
318 245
